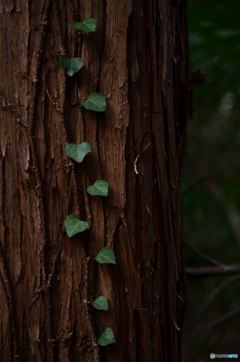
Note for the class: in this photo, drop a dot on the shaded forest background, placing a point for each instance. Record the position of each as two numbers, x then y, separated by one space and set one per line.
212 207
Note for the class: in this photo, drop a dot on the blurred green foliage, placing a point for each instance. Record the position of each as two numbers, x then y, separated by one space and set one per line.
215 48
212 207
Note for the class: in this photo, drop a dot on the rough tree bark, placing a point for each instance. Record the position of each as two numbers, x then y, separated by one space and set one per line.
138 59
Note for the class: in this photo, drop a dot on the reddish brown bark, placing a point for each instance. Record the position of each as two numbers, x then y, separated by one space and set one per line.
138 59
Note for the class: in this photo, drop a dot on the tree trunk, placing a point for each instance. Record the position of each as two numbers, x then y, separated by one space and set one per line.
137 58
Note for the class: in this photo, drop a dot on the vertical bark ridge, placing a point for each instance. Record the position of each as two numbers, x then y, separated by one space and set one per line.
157 104
39 191
9 297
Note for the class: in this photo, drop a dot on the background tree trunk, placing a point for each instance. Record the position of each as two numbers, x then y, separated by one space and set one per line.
138 59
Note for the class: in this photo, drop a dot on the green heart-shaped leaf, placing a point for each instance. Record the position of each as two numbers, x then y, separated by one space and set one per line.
100 188
78 152
73 225
107 337
71 66
96 102
106 256
101 303
88 24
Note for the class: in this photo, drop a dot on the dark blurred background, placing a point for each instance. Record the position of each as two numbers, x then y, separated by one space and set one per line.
211 183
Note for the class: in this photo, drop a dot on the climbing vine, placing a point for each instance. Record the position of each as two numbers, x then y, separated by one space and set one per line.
73 225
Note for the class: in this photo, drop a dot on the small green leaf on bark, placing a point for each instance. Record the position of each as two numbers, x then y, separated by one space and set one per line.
78 152
96 102
101 303
99 188
106 256
107 337
88 24
71 66
73 225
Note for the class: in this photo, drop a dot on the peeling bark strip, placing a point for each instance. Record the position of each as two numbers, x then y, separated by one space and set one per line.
138 59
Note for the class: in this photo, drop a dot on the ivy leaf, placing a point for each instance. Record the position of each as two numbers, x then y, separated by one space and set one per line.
107 337
100 188
73 225
88 24
78 152
96 102
101 303
106 256
71 66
